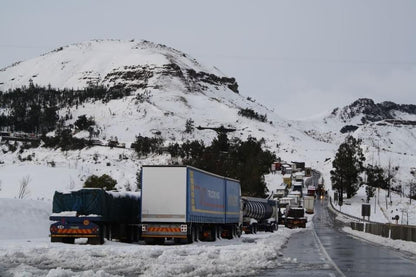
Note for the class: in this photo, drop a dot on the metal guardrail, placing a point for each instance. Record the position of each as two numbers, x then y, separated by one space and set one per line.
387 230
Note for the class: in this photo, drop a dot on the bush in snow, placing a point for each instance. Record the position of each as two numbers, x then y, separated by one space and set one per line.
189 126
82 123
104 182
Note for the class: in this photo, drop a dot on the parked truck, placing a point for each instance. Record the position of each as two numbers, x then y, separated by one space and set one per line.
259 214
296 195
295 217
185 204
95 214
311 191
287 179
298 186
308 204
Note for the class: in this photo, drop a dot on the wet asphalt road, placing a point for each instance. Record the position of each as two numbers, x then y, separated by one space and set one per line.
355 257
327 251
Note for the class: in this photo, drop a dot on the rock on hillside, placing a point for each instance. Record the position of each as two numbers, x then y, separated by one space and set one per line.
367 111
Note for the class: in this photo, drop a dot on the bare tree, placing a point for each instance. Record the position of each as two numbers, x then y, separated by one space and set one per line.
412 190
23 187
390 172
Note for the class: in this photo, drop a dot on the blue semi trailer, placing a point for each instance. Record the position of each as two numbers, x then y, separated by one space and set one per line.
95 214
185 204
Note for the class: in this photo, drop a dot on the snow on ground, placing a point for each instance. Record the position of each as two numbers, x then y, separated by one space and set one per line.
26 250
353 207
382 210
243 256
274 181
38 187
24 219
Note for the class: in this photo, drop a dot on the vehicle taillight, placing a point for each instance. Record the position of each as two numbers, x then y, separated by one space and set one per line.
144 228
184 228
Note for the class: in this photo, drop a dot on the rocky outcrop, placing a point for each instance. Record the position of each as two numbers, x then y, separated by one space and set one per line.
372 112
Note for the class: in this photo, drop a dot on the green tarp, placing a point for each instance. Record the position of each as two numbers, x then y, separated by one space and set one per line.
111 206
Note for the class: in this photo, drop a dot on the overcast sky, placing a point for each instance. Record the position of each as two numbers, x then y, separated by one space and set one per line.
299 58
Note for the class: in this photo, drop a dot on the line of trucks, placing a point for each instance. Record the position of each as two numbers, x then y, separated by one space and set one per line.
293 201
182 204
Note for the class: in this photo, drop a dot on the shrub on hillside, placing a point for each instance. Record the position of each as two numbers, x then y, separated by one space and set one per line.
104 182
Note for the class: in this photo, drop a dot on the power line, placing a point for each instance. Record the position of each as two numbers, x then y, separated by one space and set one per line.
312 60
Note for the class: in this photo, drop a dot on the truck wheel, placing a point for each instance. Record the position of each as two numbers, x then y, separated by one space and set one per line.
95 241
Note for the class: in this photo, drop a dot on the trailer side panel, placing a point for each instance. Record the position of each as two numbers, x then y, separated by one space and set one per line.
206 197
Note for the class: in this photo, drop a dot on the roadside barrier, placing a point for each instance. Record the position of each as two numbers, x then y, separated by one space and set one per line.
387 230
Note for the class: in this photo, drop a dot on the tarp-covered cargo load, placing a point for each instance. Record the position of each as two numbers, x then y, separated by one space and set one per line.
110 206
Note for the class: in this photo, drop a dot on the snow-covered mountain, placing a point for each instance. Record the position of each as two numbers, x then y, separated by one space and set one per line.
114 63
168 88
365 110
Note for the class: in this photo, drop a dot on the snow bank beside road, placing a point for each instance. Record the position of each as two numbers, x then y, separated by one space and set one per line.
25 249
243 256
24 219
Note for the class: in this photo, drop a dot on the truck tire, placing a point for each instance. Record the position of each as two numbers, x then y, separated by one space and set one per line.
96 241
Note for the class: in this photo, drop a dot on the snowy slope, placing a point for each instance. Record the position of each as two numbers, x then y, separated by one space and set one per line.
24 219
178 88
74 66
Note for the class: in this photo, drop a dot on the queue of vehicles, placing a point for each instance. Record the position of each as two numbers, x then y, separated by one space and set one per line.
296 200
182 204
176 203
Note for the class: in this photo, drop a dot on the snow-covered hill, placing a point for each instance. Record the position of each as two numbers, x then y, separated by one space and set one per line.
168 88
